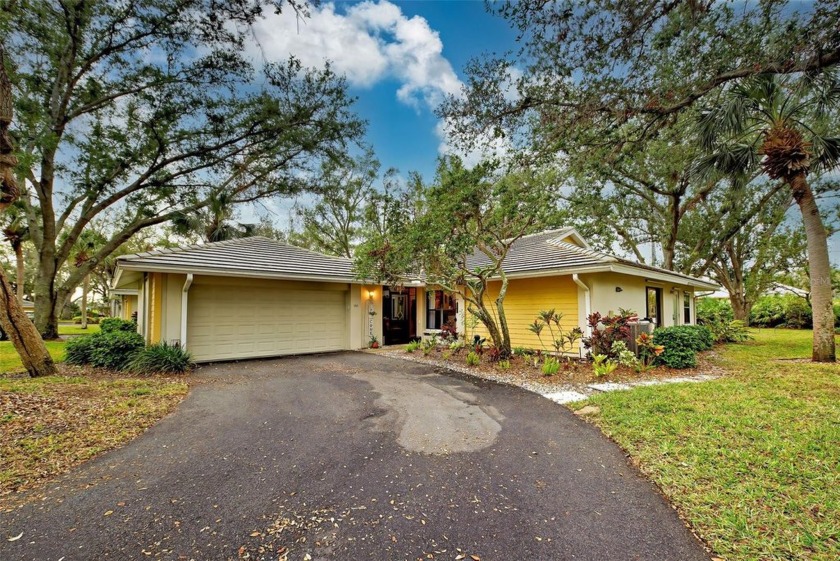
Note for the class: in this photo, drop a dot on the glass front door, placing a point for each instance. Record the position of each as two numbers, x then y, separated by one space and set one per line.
654 305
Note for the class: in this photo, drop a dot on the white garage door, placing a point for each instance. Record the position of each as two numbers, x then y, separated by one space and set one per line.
233 322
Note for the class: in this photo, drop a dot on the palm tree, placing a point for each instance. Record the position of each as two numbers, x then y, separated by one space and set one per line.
789 128
213 223
16 231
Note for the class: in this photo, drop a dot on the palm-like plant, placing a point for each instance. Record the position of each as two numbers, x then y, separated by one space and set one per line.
16 231
788 128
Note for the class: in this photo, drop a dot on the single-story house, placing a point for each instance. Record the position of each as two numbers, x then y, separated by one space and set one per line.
28 308
256 297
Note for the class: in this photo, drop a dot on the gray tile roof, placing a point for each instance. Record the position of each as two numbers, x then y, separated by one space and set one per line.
545 251
245 256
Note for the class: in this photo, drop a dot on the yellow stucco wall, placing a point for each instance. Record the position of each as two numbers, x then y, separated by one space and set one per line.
129 306
155 306
525 298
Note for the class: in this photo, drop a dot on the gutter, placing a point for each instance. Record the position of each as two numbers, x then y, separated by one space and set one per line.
587 299
184 293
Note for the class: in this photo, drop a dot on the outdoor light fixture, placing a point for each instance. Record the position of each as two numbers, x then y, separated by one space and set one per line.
619 289
370 295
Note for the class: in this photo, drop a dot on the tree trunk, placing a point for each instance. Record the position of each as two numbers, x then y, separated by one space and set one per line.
21 271
47 301
504 347
21 331
819 268
83 307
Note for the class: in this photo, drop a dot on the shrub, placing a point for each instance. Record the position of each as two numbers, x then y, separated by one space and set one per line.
448 332
682 342
494 354
520 351
413 346
678 358
781 311
429 345
562 341
504 365
115 349
709 309
551 366
728 331
93 320
603 365
456 346
648 351
109 325
78 350
160 358
623 355
606 330
694 337
473 358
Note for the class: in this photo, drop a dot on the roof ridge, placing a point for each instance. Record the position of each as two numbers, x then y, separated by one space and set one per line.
182 248
544 232
584 250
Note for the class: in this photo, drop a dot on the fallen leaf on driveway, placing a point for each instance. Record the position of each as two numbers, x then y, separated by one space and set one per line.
16 538
108 513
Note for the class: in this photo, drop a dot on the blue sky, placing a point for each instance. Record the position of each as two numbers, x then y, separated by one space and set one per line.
400 59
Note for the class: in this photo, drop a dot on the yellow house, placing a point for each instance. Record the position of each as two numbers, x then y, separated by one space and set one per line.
256 297
557 269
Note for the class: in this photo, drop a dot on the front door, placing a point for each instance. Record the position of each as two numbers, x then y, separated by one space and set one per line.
399 315
654 305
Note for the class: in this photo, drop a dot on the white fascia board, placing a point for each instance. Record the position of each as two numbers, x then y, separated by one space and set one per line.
661 276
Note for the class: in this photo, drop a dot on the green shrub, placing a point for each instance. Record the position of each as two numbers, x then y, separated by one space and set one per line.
603 365
711 309
93 320
551 366
108 325
694 337
413 346
786 310
160 358
678 358
504 365
728 331
106 349
473 359
623 355
682 342
78 350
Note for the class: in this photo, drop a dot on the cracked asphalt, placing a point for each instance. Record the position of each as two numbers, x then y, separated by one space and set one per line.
353 456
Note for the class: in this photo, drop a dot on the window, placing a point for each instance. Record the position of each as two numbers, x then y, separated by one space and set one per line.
440 309
687 308
654 305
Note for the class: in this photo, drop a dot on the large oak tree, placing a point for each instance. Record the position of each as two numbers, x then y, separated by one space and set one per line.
151 109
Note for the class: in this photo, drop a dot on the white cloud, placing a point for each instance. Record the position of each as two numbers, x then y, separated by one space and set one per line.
371 41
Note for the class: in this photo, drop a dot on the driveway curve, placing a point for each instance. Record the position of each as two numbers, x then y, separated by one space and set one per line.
354 456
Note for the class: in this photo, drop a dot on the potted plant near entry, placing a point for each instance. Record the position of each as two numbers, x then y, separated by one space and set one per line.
373 343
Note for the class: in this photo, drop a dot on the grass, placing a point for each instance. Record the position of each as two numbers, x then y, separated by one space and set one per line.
10 362
752 460
54 423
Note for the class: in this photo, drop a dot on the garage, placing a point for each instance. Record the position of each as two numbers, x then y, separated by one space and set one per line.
261 321
249 298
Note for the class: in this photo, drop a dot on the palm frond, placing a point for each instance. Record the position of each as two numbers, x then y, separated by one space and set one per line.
826 153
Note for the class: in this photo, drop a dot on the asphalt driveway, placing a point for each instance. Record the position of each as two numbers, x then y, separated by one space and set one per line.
354 456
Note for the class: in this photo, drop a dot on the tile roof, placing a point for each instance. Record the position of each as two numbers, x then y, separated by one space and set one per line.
246 256
546 251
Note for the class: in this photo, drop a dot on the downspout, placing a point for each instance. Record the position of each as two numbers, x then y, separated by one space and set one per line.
587 300
184 294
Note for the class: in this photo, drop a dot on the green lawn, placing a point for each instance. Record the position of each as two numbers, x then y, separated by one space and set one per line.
10 362
752 460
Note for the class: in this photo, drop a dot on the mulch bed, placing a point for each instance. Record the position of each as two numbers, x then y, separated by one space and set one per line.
574 373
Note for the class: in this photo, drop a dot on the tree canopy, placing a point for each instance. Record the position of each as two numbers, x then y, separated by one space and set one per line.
151 108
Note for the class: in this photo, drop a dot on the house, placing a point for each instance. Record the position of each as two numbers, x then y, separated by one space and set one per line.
556 269
256 297
28 308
